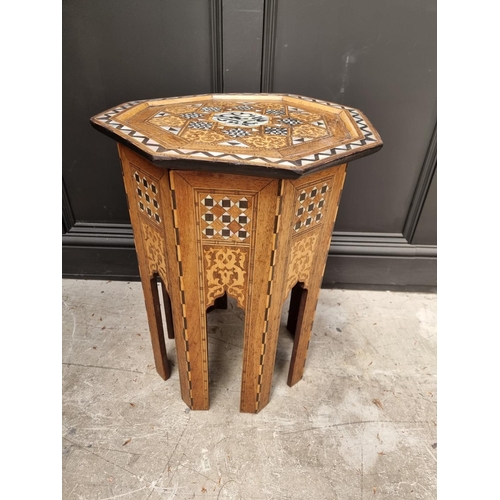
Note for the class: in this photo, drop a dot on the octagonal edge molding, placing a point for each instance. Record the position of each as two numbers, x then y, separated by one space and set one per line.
282 135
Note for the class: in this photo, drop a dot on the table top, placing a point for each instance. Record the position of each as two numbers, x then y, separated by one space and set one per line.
276 135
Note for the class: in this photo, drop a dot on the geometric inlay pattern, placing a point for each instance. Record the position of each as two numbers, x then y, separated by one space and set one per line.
200 125
269 299
275 131
309 207
182 289
147 197
290 121
241 118
236 132
286 131
225 217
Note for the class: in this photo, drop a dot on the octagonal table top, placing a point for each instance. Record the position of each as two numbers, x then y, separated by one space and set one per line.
276 135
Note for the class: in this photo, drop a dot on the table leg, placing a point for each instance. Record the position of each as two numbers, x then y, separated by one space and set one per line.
293 311
305 318
142 182
167 308
307 261
263 312
189 308
262 323
153 310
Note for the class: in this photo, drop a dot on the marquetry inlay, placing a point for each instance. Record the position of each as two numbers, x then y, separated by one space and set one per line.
154 246
226 269
263 125
301 259
309 206
225 217
234 194
288 132
147 197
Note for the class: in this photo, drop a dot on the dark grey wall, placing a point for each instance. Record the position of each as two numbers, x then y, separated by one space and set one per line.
116 51
377 56
426 229
242 44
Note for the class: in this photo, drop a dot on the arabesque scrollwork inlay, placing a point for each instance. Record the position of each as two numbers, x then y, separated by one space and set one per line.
155 250
226 270
301 259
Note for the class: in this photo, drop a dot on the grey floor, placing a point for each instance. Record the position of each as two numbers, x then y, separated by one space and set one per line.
360 425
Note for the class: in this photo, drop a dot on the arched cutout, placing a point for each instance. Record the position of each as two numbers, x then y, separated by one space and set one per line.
156 328
289 330
297 301
219 303
164 305
225 337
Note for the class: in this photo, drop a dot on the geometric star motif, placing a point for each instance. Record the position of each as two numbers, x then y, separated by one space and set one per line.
275 131
236 132
192 115
200 125
290 121
288 134
275 112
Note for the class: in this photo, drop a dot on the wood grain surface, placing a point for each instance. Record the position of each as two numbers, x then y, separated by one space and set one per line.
208 235
264 135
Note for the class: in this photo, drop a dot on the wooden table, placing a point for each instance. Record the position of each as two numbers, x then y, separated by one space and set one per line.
234 194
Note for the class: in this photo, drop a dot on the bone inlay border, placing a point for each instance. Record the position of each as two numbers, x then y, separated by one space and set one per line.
108 119
277 220
185 333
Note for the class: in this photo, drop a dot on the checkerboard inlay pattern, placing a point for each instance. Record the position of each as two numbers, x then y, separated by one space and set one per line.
309 207
224 217
147 197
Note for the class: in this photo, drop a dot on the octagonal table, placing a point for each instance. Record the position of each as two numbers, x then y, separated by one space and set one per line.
234 194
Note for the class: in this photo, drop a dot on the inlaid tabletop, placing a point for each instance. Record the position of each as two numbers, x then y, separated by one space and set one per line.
278 135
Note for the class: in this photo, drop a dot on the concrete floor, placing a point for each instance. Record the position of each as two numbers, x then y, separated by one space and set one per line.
360 425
